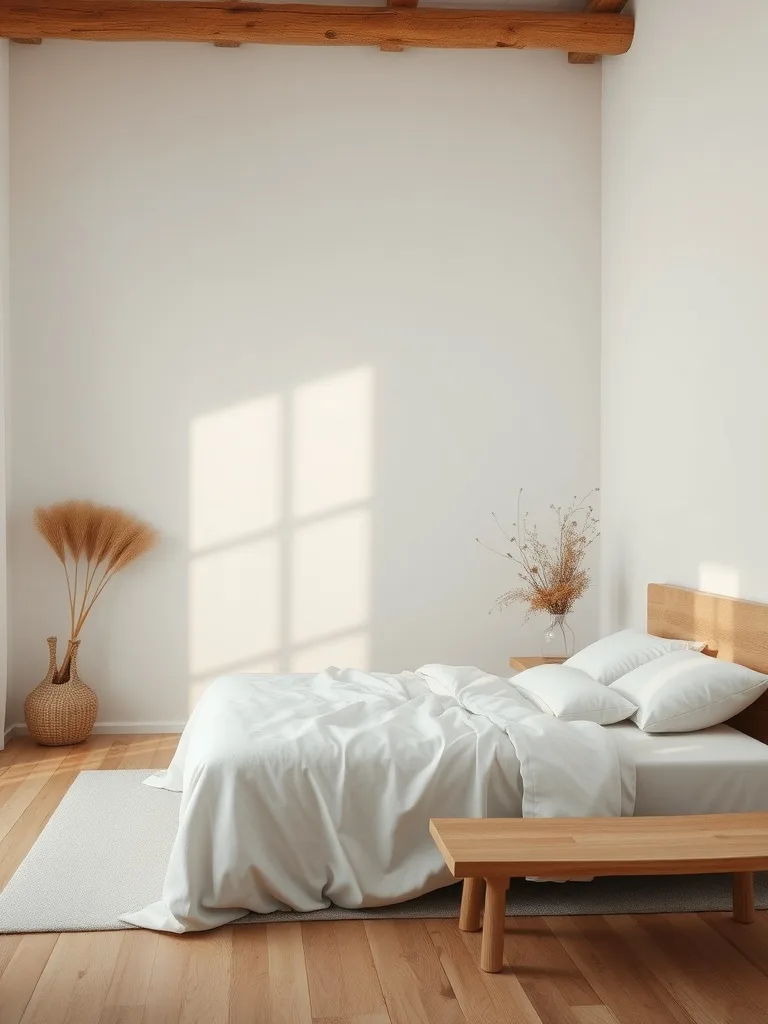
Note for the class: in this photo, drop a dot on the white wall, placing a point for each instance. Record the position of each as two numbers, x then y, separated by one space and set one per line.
314 314
685 285
4 310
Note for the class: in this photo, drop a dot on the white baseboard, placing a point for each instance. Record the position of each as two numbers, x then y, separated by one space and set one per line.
118 728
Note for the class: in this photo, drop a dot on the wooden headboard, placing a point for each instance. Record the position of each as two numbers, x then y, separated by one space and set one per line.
737 630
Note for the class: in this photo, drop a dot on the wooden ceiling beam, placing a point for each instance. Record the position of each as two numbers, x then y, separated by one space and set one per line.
305 24
396 45
596 7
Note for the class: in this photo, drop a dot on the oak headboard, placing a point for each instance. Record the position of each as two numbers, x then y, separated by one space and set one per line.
737 630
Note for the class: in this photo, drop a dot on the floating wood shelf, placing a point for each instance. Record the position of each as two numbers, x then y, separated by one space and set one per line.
597 7
392 27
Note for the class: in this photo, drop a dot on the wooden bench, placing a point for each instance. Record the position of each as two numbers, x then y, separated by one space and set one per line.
487 852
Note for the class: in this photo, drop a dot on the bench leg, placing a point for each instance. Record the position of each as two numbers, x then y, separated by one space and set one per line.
492 946
744 897
471 904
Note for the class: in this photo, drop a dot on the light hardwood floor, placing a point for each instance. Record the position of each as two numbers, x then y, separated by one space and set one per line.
672 969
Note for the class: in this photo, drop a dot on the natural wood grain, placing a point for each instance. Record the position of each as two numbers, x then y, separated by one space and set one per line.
744 897
139 753
165 991
673 949
548 1001
650 969
75 981
296 24
564 847
593 1015
605 6
342 978
8 946
121 1015
703 945
21 783
597 7
737 630
497 848
135 961
207 980
22 973
249 977
288 985
535 955
490 999
472 896
622 981
751 943
521 664
164 751
414 983
492 947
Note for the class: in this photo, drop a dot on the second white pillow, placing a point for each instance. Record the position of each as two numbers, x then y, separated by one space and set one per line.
612 657
685 691
572 695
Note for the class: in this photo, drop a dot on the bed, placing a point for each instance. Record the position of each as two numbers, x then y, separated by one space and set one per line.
346 768
708 772
718 770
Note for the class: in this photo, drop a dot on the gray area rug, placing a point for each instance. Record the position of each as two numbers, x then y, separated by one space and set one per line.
105 848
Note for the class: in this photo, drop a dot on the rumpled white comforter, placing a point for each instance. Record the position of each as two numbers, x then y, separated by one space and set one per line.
299 791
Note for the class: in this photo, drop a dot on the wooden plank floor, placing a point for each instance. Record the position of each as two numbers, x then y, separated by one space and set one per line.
644 969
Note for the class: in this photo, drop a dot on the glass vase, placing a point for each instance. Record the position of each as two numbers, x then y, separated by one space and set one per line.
557 640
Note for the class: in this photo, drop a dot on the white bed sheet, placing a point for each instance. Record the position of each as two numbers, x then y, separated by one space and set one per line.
714 771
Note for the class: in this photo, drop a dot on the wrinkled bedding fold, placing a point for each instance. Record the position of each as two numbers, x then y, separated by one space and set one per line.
302 790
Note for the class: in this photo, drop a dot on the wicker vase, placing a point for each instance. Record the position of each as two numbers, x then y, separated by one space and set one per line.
58 714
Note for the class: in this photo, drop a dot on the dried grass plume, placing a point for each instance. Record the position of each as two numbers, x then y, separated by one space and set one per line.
92 542
553 576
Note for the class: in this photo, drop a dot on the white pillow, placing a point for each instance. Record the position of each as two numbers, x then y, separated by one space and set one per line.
571 695
685 691
615 655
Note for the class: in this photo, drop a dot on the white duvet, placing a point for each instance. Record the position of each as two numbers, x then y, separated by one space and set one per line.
299 791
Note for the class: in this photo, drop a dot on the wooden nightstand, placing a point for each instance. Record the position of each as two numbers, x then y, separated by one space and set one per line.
521 664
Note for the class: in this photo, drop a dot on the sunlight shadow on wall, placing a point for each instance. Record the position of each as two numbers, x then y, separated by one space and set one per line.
715 621
280 531
332 429
330 576
235 472
234 608
719 579
351 650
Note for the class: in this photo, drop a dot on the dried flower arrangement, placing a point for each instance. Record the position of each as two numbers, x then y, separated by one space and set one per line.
93 543
553 575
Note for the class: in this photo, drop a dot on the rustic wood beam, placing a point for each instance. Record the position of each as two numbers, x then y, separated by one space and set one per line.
395 45
596 7
307 24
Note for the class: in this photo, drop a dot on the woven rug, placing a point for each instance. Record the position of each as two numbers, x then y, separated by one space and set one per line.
105 848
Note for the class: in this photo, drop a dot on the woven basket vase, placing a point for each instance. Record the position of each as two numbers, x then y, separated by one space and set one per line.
58 714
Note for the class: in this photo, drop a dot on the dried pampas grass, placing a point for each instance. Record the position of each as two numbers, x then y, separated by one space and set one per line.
92 542
553 575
